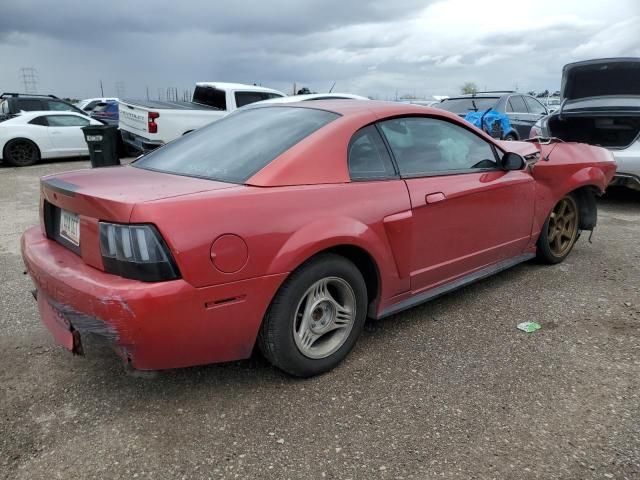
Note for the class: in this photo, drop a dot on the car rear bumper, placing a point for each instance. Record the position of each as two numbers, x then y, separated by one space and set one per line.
151 325
139 142
628 162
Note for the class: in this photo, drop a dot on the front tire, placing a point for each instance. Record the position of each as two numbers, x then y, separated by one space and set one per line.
316 317
559 232
21 152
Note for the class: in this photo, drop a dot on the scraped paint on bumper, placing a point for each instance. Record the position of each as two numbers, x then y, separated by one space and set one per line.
151 325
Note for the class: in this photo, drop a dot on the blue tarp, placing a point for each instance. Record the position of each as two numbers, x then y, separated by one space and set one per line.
489 117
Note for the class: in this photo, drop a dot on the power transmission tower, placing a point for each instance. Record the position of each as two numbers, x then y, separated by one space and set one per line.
120 89
29 79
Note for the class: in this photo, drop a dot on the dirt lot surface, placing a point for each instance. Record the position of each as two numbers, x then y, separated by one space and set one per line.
450 389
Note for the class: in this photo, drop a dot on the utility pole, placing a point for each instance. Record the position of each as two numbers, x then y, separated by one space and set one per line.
29 79
101 90
147 92
120 89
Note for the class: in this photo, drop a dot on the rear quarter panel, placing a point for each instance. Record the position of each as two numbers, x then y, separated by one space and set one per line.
284 226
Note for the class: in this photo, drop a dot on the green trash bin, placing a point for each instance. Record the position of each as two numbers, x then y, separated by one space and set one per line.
103 145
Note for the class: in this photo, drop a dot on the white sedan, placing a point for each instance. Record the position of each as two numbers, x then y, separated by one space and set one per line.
30 136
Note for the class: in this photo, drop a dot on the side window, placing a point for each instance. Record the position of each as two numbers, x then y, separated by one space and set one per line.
424 146
535 106
58 106
368 156
4 106
516 105
42 121
245 98
267 96
91 105
67 121
210 96
28 105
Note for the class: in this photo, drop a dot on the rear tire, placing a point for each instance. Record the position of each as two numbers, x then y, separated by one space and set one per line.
510 137
559 232
316 317
21 152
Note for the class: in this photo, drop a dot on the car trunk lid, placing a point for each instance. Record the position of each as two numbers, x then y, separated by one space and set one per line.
111 193
613 77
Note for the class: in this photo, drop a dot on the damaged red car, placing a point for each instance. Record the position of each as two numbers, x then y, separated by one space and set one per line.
286 226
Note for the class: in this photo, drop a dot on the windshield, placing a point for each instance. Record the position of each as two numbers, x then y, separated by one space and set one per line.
235 148
466 105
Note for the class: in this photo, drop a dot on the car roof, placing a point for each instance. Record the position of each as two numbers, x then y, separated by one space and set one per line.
312 96
102 99
479 95
237 86
38 113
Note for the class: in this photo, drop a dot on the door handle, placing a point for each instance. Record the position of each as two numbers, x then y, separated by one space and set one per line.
435 197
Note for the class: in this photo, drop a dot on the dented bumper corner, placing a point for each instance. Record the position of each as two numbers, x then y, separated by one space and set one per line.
152 325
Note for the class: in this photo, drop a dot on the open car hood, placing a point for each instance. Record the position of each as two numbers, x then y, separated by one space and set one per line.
601 78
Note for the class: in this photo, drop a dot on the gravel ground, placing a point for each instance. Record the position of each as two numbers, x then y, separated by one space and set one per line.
450 389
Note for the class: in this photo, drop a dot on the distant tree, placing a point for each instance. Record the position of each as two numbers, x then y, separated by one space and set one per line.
469 87
532 93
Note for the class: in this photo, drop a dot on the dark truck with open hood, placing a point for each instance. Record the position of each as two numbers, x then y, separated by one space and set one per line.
600 105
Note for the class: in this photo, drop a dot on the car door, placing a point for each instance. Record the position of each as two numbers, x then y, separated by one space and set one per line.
536 112
66 134
518 115
468 213
38 128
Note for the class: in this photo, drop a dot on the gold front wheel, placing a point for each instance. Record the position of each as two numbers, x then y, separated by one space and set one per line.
563 226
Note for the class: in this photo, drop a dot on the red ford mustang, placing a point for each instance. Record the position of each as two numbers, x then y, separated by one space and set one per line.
287 226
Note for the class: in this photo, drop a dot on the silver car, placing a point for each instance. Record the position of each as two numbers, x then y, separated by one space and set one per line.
600 105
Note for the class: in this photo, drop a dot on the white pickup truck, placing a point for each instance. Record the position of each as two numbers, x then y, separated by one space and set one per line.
148 124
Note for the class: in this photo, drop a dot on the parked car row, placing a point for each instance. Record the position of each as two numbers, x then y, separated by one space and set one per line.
598 104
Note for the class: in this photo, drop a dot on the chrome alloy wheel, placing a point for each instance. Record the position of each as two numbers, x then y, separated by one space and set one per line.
324 317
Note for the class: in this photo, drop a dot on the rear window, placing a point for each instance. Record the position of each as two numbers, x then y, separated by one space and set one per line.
210 96
106 107
466 105
236 147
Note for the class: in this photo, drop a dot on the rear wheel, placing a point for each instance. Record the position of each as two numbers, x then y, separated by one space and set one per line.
560 231
511 137
21 153
316 317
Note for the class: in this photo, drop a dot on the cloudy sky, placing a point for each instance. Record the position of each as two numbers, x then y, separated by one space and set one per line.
370 47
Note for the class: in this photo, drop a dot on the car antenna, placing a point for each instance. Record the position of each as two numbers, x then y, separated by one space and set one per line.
334 84
556 141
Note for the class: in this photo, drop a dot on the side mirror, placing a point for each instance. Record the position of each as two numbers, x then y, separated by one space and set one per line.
512 161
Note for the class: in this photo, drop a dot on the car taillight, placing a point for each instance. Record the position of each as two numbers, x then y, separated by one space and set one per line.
536 131
152 126
137 252
539 129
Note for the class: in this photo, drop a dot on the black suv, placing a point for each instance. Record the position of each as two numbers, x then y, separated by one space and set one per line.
14 103
523 110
